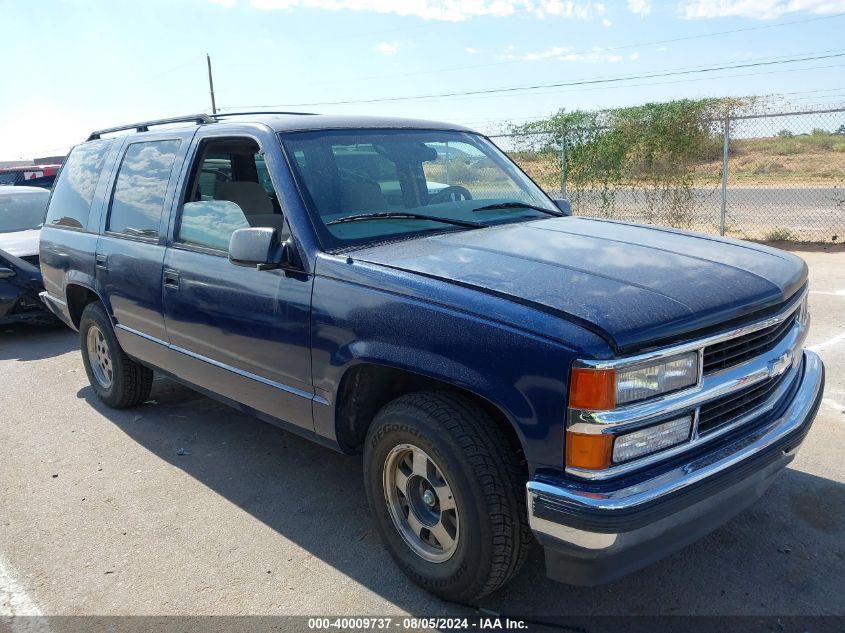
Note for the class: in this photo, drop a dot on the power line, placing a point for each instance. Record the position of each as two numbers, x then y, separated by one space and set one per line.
663 83
582 52
584 82
530 117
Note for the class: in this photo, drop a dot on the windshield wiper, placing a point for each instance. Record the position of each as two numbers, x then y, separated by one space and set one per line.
518 205
391 215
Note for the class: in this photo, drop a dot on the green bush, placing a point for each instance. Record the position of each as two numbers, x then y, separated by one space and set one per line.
656 144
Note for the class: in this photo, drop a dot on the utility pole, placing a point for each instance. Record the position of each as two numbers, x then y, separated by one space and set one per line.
211 84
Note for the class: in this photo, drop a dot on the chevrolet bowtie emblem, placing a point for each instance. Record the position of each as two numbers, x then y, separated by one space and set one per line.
780 364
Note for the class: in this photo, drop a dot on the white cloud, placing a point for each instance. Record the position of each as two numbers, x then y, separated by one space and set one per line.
565 54
634 56
471 50
606 23
444 10
387 48
762 9
639 7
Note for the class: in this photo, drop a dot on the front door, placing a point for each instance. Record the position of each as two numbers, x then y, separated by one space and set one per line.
239 332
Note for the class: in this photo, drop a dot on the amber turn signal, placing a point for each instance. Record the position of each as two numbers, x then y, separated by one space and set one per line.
592 389
592 451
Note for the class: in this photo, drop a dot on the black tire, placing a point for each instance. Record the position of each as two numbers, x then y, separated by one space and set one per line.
486 475
130 382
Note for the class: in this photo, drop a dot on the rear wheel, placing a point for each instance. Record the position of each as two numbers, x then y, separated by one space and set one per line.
447 491
117 380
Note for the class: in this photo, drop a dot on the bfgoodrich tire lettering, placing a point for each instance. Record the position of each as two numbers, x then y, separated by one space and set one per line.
484 474
125 383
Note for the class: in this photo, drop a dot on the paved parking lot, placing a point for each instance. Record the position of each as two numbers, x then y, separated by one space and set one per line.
184 506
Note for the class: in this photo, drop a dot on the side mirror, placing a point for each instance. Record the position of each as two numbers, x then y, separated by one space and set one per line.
261 248
563 205
5 273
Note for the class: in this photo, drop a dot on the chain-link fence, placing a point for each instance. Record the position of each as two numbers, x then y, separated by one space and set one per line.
762 177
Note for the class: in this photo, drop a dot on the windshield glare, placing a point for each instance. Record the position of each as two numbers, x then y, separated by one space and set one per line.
20 211
437 173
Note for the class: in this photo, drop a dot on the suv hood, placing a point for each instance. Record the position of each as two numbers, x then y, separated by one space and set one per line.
20 243
634 285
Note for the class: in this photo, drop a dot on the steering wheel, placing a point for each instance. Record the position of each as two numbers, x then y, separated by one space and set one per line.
452 193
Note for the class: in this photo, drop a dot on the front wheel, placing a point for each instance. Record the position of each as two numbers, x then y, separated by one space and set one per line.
447 491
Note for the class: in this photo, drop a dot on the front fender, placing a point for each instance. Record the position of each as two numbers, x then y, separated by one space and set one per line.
521 373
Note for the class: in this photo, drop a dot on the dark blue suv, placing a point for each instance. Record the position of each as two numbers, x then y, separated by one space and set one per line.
401 289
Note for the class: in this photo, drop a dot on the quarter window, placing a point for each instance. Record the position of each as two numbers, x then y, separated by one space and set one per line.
74 189
140 189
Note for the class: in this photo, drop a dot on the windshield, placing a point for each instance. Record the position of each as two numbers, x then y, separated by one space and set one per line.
20 210
384 180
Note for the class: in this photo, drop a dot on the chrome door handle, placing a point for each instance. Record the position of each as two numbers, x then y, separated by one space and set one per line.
171 278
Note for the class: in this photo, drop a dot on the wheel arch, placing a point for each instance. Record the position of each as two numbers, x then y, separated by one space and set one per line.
366 387
78 296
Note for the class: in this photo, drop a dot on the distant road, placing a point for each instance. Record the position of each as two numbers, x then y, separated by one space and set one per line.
812 213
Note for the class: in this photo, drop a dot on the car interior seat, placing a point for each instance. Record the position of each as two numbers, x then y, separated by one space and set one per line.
362 195
253 201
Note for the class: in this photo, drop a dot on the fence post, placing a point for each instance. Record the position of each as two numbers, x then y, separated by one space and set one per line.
727 141
563 166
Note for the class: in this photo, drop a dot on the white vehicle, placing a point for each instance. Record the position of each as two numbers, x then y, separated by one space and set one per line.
22 211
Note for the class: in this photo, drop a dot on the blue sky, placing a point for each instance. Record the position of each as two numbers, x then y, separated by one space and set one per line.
75 65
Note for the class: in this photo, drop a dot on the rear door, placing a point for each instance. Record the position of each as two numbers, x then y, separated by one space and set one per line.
130 251
239 332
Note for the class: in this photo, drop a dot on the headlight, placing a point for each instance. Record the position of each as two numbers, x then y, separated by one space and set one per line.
651 439
656 378
603 389
595 389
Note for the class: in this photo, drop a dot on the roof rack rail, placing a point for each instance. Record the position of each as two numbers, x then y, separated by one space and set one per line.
252 113
199 119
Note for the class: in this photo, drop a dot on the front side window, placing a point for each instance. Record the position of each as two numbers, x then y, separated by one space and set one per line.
357 184
75 186
230 189
139 192
22 210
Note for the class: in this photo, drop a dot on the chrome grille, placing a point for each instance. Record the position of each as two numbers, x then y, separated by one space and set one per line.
714 415
736 350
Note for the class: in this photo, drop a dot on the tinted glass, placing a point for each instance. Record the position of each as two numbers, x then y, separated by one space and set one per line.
10 177
141 187
74 190
216 169
231 189
22 210
352 178
210 223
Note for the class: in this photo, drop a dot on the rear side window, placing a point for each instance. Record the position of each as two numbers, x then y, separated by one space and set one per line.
74 189
140 189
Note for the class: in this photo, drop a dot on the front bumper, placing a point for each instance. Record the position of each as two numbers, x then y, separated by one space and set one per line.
594 533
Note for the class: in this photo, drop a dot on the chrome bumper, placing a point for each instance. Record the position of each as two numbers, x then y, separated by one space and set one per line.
595 533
